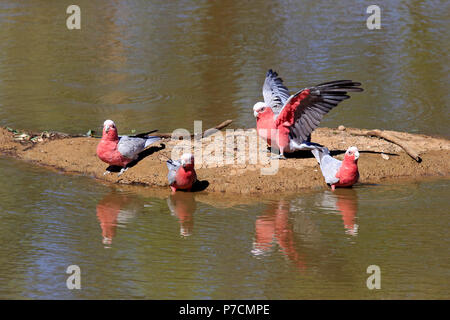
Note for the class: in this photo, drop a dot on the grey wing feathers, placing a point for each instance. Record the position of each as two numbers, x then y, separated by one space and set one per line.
173 166
150 140
274 92
320 101
328 165
130 147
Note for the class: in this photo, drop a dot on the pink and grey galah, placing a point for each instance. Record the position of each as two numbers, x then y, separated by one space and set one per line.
286 121
118 150
182 173
338 173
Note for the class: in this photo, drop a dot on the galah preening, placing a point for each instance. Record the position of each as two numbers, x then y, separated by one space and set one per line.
338 173
118 150
182 173
286 121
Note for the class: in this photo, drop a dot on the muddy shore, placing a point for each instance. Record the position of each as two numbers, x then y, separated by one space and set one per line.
379 161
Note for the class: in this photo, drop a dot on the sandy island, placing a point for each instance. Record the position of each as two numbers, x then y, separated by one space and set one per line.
380 160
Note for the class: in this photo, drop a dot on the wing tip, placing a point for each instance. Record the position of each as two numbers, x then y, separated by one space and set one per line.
271 73
341 83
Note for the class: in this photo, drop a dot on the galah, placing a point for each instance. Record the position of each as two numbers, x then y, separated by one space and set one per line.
118 150
338 173
286 121
182 173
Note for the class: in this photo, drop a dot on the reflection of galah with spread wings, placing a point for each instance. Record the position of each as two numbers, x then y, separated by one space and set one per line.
275 226
286 121
118 150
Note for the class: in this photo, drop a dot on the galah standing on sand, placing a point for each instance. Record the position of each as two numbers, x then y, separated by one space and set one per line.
181 173
118 150
338 173
286 122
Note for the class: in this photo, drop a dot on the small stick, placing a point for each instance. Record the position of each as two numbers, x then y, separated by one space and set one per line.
388 137
205 133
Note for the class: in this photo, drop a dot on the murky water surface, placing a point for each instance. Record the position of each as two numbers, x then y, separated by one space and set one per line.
134 244
165 64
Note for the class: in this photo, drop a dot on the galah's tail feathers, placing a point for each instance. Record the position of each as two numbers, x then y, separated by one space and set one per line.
173 166
150 140
319 153
305 145
328 165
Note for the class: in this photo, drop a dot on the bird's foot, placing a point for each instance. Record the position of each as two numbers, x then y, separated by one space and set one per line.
122 171
279 157
333 187
106 172
173 189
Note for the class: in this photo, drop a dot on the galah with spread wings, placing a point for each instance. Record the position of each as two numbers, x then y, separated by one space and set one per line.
338 173
182 173
118 150
286 122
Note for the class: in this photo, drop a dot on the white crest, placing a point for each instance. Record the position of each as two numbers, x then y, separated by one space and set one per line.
187 158
355 151
108 123
257 107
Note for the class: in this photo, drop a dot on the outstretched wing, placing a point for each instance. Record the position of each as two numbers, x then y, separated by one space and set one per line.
305 109
274 92
173 166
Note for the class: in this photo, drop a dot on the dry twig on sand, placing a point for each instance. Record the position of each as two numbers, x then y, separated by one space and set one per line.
205 133
388 137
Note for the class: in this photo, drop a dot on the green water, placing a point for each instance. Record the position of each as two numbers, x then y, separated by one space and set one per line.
164 64
312 245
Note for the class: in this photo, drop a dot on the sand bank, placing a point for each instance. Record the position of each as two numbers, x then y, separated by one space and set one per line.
379 161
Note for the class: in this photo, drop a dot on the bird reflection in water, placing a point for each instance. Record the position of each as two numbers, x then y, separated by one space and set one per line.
115 208
183 205
344 201
274 227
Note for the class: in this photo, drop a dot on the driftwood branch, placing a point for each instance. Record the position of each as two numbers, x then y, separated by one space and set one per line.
388 137
31 136
204 134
